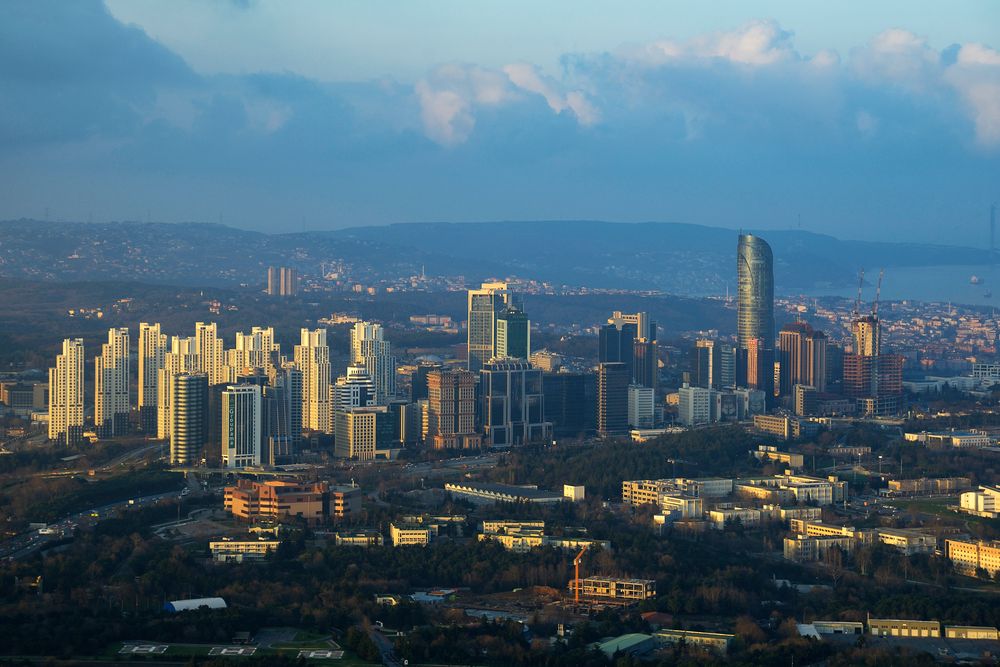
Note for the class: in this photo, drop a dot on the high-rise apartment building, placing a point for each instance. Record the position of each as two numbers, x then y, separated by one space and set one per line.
369 348
256 349
188 417
312 357
511 404
283 407
755 312
451 410
486 304
612 399
151 354
282 281
513 334
111 385
242 422
802 357
211 353
66 394
182 357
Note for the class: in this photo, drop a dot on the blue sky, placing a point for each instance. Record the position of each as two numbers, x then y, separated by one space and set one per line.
864 120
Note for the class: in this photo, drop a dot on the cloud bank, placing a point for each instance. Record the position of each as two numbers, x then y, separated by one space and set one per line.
735 127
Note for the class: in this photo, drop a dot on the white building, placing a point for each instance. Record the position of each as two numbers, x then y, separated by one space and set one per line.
369 347
312 357
111 385
151 353
640 406
694 405
984 502
66 393
241 426
256 349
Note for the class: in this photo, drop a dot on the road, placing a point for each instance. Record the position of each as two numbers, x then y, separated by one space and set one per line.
384 647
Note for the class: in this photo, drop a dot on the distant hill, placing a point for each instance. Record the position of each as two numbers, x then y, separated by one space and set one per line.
672 257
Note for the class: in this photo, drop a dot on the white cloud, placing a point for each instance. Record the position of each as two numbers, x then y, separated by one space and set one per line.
527 77
758 42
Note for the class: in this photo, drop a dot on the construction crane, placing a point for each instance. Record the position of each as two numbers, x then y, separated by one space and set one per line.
576 568
857 301
878 291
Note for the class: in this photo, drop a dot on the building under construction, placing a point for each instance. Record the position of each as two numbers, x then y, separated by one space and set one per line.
872 378
613 590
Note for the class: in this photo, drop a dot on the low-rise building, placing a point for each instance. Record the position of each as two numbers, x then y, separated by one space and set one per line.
905 487
237 551
614 589
747 517
494 526
959 439
804 549
786 514
786 427
771 453
484 492
645 491
276 499
971 557
984 502
408 534
971 632
716 642
906 540
820 529
685 506
891 627
363 537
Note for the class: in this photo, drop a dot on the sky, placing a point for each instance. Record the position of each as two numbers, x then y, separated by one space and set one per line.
858 119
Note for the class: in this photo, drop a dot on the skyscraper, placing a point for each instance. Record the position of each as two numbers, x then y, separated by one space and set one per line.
211 353
645 363
282 281
66 394
256 349
182 357
618 340
570 403
755 312
802 357
451 410
361 432
111 385
486 304
612 399
513 335
354 389
151 354
188 417
312 357
369 348
511 404
755 285
241 426
874 379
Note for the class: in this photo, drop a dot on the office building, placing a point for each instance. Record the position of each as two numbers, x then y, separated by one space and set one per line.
486 305
354 389
513 334
806 400
418 380
242 422
612 399
370 349
570 403
617 343
645 363
802 357
282 281
182 357
188 417
451 410
984 502
409 535
66 394
973 558
705 364
755 313
151 354
360 433
640 406
238 551
111 385
312 358
694 405
511 404
274 500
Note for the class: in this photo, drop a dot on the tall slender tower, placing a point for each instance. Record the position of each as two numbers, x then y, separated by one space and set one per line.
188 417
369 347
755 312
182 357
152 350
66 394
111 385
312 357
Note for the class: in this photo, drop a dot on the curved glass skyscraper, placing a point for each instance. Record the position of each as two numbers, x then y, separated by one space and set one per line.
755 285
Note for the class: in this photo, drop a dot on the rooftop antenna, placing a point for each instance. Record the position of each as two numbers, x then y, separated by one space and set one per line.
878 291
857 301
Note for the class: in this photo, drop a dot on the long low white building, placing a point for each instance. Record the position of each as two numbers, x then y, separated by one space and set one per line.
485 492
